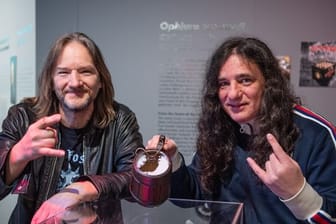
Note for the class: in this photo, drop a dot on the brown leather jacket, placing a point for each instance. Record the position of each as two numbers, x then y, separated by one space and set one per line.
109 154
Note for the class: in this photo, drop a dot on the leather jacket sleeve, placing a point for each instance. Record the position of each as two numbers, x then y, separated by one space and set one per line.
14 127
125 139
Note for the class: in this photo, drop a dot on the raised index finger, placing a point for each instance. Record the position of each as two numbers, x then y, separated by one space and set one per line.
277 149
48 121
257 169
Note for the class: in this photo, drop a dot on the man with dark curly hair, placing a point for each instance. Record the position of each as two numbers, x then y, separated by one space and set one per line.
257 144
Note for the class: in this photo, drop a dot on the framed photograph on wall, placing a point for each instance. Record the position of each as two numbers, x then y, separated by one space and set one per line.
318 62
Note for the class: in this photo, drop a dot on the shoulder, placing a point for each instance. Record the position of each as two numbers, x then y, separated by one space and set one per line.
307 119
18 118
123 113
122 109
22 108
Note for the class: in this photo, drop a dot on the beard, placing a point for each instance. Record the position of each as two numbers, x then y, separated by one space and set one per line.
75 107
75 104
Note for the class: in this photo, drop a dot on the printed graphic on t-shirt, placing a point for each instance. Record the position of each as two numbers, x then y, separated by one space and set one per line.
72 168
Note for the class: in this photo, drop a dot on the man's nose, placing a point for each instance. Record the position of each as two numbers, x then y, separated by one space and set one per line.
75 78
234 91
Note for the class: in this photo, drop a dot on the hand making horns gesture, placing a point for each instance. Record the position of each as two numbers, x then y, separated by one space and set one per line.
282 174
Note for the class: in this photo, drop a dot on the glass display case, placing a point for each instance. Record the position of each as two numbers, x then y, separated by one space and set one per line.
171 211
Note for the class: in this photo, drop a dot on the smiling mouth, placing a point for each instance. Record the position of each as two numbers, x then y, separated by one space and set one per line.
74 93
236 107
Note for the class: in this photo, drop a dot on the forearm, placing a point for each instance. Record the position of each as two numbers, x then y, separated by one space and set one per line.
14 165
185 182
113 185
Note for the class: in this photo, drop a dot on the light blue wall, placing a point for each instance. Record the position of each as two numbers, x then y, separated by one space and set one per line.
17 38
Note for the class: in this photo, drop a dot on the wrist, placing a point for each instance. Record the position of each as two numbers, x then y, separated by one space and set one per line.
17 156
305 203
85 190
15 164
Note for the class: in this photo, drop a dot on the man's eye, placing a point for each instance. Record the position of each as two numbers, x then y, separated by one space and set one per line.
62 73
223 84
86 72
246 81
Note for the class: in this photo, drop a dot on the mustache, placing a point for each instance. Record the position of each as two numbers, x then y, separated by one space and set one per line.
75 90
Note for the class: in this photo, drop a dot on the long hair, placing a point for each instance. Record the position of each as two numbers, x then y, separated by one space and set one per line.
46 102
217 138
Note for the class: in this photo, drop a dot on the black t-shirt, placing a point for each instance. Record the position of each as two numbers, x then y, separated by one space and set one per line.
72 143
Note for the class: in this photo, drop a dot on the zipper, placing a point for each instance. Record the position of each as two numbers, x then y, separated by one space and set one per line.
85 154
50 179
